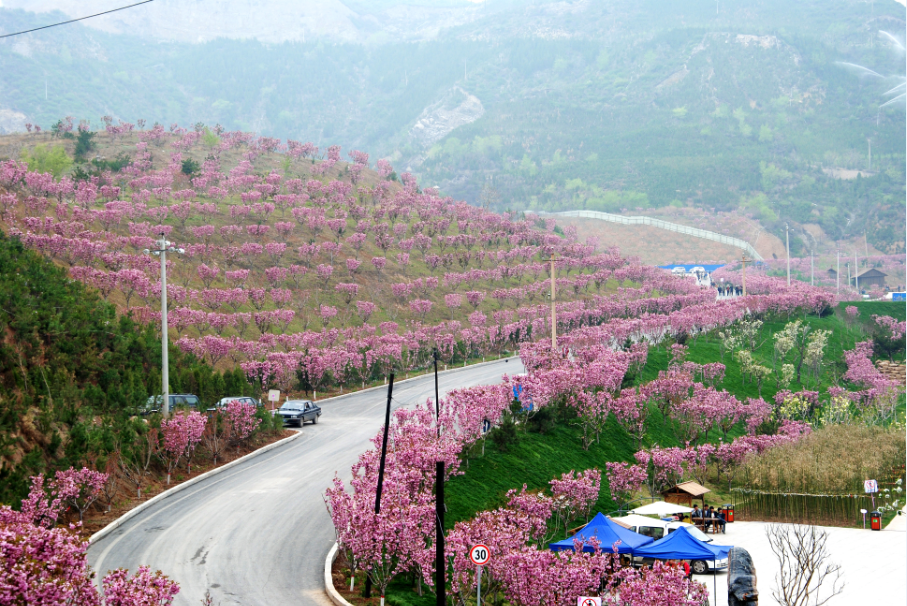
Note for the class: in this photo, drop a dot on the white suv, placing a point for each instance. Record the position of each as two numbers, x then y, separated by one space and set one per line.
658 529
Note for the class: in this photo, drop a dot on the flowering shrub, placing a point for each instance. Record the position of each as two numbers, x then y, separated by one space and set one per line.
45 566
242 418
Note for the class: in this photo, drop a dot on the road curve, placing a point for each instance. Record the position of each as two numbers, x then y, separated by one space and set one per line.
258 534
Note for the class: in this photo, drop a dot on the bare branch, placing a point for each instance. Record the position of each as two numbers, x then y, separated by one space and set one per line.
804 569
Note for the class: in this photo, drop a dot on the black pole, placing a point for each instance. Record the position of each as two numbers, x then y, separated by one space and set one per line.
387 424
440 587
437 399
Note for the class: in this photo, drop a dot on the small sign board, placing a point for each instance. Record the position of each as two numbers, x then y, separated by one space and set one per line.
871 486
588 602
274 395
480 554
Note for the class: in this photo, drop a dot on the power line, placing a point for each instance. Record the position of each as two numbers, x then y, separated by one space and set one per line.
74 20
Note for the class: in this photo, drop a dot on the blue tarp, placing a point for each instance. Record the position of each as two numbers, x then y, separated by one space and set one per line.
681 545
607 533
688 267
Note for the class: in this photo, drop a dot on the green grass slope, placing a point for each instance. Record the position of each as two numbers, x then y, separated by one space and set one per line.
537 457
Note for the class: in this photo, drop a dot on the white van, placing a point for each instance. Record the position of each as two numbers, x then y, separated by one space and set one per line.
658 529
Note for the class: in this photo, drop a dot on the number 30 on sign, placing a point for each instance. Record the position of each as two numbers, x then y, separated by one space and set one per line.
588 602
480 554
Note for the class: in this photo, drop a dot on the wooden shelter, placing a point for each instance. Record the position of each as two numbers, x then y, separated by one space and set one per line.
684 493
871 277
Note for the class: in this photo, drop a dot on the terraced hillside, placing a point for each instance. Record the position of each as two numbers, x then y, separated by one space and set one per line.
307 273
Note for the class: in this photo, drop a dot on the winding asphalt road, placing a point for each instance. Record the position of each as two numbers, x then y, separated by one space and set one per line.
258 533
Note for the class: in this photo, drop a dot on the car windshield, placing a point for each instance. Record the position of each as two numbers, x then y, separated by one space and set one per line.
293 405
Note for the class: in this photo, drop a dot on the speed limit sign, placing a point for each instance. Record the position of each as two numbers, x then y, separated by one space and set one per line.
480 554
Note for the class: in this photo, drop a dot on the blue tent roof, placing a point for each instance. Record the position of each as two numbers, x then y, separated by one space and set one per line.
607 533
681 545
689 266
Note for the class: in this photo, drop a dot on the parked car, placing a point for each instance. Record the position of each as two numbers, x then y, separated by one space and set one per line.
298 412
658 529
222 403
177 400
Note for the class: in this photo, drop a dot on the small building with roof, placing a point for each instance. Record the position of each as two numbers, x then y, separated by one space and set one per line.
685 493
870 277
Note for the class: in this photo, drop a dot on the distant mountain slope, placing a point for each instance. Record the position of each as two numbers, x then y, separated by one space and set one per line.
760 107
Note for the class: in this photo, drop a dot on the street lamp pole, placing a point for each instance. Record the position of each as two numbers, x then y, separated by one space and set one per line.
163 247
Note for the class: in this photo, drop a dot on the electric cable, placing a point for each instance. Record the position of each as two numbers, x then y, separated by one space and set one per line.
113 10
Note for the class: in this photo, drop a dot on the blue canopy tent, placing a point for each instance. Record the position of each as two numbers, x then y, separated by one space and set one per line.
681 545
607 533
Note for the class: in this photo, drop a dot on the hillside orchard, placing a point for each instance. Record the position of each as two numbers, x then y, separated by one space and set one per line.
331 274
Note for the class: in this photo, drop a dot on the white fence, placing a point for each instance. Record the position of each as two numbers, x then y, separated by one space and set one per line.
675 227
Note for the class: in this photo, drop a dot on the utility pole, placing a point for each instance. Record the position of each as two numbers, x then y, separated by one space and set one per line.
380 487
744 260
869 141
838 274
812 279
163 247
787 239
440 587
553 308
437 399
856 272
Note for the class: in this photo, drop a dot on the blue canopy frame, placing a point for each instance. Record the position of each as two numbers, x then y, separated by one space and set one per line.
607 533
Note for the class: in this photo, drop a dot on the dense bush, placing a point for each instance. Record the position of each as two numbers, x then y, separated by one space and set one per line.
71 371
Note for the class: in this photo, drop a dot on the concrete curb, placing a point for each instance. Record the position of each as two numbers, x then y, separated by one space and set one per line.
140 508
396 382
329 589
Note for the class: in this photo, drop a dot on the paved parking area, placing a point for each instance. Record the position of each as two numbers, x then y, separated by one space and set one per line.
874 563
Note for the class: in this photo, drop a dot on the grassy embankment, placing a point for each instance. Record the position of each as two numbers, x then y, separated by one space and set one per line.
538 456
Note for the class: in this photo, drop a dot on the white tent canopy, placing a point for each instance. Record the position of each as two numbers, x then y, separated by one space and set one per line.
635 520
660 508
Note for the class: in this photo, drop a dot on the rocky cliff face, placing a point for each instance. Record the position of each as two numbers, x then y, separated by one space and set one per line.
11 122
456 109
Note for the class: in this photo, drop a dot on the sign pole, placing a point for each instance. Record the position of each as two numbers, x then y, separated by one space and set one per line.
479 555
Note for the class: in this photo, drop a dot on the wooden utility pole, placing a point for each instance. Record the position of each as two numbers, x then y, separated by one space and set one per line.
787 246
553 308
838 274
